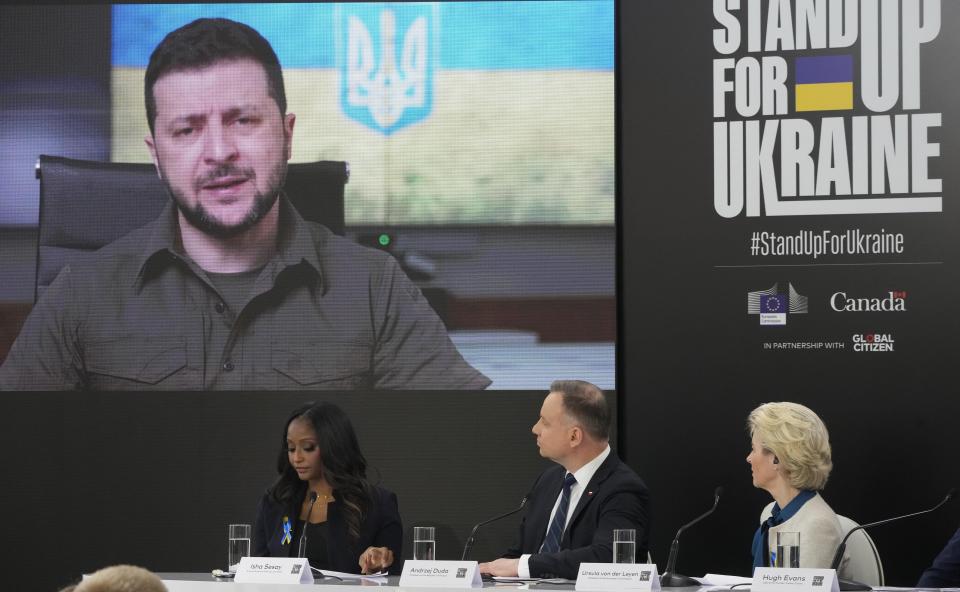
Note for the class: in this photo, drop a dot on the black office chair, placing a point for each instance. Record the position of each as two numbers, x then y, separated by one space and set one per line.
87 204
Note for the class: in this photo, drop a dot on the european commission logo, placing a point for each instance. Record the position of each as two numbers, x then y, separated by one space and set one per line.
386 61
773 306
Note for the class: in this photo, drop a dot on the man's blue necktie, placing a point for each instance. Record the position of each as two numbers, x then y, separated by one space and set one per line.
551 544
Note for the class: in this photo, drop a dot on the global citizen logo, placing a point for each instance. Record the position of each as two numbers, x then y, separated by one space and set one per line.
873 342
772 305
894 301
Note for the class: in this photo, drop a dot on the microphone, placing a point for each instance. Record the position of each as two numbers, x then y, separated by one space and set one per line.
302 551
324 575
473 533
838 556
669 579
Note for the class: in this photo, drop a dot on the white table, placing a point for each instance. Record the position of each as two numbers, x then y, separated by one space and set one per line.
204 582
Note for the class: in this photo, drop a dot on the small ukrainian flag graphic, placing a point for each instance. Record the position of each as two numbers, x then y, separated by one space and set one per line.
824 83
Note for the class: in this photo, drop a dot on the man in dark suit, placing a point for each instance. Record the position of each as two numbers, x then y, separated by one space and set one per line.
945 571
574 507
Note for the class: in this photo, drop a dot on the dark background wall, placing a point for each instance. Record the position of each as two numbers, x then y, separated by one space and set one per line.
692 362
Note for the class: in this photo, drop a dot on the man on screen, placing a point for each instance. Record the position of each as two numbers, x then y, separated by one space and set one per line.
230 288
574 507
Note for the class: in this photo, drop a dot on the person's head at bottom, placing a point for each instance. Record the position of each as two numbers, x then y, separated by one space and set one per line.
121 578
319 454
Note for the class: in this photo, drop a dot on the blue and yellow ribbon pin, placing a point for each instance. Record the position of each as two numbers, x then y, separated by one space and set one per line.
287 528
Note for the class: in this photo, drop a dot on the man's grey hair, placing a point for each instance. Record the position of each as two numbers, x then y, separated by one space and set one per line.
122 578
585 403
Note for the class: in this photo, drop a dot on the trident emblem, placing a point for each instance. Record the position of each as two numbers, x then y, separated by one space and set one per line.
395 90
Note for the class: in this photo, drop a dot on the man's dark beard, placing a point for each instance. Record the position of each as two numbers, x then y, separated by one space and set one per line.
202 220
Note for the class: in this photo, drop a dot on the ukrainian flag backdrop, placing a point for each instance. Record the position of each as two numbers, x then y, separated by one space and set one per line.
476 112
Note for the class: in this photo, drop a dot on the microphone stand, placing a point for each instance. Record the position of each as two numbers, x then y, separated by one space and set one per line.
302 551
850 585
670 579
473 533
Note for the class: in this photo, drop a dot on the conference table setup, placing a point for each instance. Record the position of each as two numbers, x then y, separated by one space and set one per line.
200 582
203 582
424 573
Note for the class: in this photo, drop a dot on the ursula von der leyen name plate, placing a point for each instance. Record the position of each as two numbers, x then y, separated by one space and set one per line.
618 576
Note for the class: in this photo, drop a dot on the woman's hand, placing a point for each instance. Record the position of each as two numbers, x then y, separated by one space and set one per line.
375 559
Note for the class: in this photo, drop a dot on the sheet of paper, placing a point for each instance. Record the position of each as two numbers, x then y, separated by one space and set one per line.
519 580
348 576
723 580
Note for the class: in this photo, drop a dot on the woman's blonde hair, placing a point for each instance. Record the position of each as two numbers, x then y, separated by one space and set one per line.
799 440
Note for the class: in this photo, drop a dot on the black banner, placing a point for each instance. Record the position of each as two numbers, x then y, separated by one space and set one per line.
789 189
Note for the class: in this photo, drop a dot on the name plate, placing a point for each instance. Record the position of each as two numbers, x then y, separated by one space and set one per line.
446 574
618 576
274 570
774 579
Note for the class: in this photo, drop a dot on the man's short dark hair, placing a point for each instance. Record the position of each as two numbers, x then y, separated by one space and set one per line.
204 42
586 404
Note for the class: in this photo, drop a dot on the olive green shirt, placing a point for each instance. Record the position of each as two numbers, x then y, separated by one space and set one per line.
323 313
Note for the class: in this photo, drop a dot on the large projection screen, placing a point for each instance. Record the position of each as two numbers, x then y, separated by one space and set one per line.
480 138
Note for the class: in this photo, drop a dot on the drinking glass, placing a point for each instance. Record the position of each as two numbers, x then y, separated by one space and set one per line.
238 544
788 549
424 543
624 545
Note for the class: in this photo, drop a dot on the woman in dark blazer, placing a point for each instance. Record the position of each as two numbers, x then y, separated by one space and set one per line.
351 525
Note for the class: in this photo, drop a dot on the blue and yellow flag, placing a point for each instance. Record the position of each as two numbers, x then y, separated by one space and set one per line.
824 83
